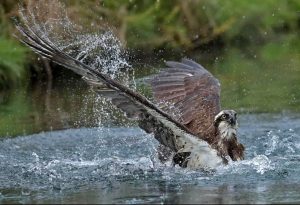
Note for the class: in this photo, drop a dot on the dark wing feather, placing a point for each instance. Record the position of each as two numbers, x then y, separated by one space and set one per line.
191 90
166 129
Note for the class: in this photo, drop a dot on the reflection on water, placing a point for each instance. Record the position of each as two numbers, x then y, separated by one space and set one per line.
119 165
25 111
262 78
255 79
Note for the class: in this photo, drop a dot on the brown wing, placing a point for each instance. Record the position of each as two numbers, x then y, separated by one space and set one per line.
188 88
165 128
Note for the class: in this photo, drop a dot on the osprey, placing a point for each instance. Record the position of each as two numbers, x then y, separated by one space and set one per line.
201 136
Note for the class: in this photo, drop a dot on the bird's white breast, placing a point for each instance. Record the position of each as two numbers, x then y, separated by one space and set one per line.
203 156
226 130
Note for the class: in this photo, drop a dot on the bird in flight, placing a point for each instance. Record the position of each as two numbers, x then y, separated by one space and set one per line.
201 136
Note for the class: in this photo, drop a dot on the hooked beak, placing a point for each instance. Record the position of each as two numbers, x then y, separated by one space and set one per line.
232 122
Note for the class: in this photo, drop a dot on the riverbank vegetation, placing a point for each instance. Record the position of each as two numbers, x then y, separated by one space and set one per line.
12 55
157 26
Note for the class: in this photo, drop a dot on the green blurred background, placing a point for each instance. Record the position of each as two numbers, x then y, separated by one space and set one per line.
252 46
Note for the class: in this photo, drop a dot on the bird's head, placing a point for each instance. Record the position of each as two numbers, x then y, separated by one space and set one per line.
226 123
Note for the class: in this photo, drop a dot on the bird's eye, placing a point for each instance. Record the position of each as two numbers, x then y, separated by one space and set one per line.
223 116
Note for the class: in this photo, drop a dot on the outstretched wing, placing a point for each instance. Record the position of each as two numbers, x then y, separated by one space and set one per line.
190 89
167 130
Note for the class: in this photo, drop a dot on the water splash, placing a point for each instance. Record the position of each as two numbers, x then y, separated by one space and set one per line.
96 46
169 107
280 143
260 163
272 144
61 160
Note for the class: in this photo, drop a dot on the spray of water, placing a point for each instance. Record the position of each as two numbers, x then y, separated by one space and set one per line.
96 46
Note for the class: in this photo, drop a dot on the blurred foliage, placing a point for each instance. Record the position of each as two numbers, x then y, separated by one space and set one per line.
149 25
189 24
266 81
12 63
12 55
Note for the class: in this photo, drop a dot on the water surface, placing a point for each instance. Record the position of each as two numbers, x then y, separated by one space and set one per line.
60 143
119 165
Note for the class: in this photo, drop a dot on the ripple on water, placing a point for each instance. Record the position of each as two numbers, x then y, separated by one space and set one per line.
60 162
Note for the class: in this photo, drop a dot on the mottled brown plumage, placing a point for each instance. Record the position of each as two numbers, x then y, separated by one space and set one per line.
191 90
194 93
